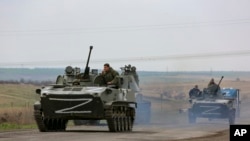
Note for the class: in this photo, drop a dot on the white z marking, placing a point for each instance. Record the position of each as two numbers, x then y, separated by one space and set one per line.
70 109
211 110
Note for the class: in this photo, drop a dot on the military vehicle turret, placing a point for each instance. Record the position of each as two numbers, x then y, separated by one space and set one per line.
85 96
212 105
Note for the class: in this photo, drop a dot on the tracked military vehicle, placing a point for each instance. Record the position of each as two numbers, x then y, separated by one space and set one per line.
85 96
212 105
143 110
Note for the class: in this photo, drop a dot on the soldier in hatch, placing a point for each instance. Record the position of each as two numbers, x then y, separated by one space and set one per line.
133 70
194 92
212 87
109 75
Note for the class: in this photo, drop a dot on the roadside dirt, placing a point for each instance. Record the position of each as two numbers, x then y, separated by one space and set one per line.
219 136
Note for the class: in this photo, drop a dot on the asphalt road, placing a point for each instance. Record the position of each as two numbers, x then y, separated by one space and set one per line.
140 132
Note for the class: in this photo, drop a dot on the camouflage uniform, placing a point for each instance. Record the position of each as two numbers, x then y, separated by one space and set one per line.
194 92
213 89
110 76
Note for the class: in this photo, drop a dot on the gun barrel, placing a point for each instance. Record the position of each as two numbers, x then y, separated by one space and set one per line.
220 80
219 83
86 71
90 49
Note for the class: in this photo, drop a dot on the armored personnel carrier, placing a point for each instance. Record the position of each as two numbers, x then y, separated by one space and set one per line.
212 105
85 96
143 110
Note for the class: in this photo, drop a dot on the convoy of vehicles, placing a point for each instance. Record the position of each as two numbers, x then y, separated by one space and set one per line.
85 98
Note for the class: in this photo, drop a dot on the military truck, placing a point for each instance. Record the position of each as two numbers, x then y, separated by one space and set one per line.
212 106
85 96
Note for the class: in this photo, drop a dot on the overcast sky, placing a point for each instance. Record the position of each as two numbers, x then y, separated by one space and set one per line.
150 34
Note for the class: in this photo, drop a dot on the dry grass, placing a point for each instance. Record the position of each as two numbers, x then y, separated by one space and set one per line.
16 101
16 104
17 95
17 115
179 90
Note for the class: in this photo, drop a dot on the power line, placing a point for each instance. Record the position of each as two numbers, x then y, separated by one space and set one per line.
125 28
134 59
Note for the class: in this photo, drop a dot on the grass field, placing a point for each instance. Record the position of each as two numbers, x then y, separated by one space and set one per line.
16 106
167 94
179 85
21 95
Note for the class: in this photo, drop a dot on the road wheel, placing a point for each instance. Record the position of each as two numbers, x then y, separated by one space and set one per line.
40 121
125 123
130 124
122 124
112 124
119 128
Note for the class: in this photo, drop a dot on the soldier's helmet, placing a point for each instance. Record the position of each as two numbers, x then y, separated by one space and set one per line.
133 68
212 80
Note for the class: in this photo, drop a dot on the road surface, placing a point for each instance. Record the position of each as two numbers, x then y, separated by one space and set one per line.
152 132
140 132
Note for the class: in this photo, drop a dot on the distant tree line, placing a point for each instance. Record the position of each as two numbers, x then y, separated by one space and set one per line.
24 81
